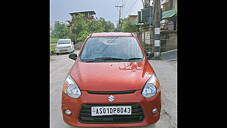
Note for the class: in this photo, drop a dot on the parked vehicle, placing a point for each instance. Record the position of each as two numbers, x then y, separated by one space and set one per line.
111 84
64 46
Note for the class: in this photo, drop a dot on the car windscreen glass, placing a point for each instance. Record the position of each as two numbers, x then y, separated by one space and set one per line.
63 42
111 49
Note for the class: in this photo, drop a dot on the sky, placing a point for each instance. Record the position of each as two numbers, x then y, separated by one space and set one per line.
60 9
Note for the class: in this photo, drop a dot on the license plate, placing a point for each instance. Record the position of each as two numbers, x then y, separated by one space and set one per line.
110 110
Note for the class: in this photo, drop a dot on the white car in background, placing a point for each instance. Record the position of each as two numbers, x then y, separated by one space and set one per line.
64 46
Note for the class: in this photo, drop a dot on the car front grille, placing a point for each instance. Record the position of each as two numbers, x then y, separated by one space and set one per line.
61 48
85 115
111 92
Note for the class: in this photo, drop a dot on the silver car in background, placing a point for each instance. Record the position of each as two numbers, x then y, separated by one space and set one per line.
64 46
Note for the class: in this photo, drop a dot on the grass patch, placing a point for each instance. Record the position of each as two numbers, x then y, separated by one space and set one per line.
52 48
53 40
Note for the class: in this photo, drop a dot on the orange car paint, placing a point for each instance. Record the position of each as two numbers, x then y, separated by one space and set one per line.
122 76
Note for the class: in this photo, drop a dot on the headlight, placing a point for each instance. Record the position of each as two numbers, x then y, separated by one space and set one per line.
150 88
71 88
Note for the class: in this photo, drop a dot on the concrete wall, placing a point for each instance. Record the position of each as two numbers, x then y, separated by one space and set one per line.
175 4
169 40
132 18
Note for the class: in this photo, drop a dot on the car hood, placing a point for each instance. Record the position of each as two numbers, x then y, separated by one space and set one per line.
63 45
115 76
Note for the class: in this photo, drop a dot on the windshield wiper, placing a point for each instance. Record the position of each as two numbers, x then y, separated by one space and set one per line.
135 58
101 59
88 60
108 58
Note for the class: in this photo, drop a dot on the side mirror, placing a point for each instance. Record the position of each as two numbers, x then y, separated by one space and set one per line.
73 56
149 54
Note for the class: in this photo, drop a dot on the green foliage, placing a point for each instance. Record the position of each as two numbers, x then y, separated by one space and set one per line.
126 26
53 40
107 25
82 35
53 43
60 30
52 48
81 27
95 26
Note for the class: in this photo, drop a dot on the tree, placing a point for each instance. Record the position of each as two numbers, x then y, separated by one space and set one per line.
81 27
108 26
60 30
126 26
95 26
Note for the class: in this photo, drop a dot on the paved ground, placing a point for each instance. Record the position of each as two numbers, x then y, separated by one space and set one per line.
169 55
165 70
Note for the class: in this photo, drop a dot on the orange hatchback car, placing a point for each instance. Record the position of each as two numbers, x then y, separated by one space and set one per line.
111 84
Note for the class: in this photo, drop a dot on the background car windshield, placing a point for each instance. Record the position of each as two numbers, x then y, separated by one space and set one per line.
111 47
64 42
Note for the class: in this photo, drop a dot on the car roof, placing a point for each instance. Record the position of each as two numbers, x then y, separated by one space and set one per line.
108 34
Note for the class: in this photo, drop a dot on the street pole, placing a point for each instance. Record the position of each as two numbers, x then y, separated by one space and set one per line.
120 6
146 4
156 23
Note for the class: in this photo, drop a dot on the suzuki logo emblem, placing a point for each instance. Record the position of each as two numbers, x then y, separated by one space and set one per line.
111 98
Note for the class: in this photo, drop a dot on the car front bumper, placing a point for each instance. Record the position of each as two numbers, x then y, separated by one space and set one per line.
63 50
147 105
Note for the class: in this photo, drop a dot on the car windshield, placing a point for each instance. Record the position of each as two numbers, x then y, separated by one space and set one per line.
64 42
111 49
